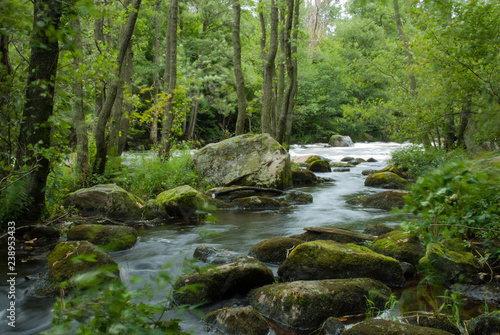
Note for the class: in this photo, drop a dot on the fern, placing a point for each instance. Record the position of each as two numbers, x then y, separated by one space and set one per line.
12 201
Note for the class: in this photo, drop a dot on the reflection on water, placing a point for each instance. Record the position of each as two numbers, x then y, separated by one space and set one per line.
235 231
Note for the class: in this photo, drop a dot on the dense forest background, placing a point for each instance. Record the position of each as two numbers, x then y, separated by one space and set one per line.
82 81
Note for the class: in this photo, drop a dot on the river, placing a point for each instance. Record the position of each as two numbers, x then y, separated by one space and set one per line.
234 231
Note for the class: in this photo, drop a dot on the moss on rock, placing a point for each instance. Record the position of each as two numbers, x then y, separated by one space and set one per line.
274 250
108 237
298 197
257 202
382 200
386 327
304 176
238 321
386 180
485 324
400 245
319 165
330 260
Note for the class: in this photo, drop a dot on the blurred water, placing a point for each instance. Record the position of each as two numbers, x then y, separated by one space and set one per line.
235 231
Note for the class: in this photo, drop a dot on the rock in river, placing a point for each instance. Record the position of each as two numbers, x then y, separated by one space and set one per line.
307 304
248 160
385 327
238 321
109 237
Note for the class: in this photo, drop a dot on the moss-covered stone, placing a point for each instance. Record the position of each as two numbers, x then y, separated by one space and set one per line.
107 200
155 210
377 229
451 265
337 234
298 197
382 200
332 326
312 158
63 265
400 245
274 250
393 168
108 237
210 254
256 203
340 141
307 304
223 281
303 177
485 324
386 327
319 165
341 165
331 260
238 321
229 193
386 180
248 160
436 322
41 235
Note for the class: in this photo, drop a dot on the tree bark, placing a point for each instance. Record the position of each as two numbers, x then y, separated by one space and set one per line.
82 140
170 78
156 76
238 72
34 137
402 35
100 131
269 63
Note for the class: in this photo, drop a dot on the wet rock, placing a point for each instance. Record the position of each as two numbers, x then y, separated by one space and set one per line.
42 235
259 203
223 281
485 324
63 266
154 209
368 172
436 322
342 165
332 260
377 229
110 238
485 293
340 141
107 200
360 160
209 254
450 261
342 235
341 170
229 193
393 168
382 200
305 159
347 159
187 203
298 197
332 326
307 304
304 177
409 270
247 160
403 246
274 250
384 327
371 160
319 165
386 180
238 321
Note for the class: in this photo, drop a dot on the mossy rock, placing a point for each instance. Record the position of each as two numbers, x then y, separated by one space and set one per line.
386 327
303 159
303 177
377 229
337 234
187 203
341 165
258 203
274 250
371 160
155 210
393 168
368 172
340 141
403 246
332 260
229 193
332 326
107 200
42 235
312 158
238 321
382 200
451 264
485 324
63 266
298 197
386 180
319 165
436 322
341 170
211 255
307 304
488 293
110 238
221 282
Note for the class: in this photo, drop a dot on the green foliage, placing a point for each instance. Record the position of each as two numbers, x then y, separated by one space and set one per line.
461 199
416 160
12 202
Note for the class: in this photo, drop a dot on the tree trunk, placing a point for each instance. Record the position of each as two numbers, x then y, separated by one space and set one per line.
267 80
465 116
34 136
409 59
100 131
295 36
238 72
449 139
170 78
281 77
156 76
82 140
100 94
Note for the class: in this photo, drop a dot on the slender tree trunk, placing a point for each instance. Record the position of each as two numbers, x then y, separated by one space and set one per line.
402 35
295 88
6 96
465 116
238 72
100 94
170 78
100 131
34 137
281 76
82 140
127 107
156 76
267 80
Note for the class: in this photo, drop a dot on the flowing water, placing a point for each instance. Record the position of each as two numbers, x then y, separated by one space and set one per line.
234 231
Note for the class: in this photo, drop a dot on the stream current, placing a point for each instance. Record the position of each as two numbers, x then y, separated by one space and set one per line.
234 231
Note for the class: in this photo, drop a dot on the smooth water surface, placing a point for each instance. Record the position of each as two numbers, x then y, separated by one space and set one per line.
234 231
